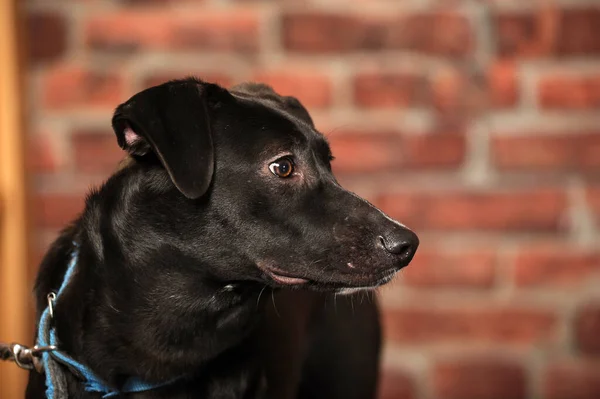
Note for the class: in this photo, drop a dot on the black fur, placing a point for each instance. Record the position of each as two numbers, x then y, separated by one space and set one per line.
184 248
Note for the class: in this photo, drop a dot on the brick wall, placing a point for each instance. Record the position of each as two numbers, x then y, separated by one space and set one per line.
476 123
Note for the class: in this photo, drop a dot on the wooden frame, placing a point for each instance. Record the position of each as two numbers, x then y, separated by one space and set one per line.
15 302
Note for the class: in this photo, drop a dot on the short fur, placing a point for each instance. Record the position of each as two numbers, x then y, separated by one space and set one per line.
183 249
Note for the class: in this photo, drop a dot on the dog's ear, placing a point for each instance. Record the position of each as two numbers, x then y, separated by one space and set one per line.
173 121
296 108
289 103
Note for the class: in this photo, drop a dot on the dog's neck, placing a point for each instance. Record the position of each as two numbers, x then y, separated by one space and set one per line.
123 323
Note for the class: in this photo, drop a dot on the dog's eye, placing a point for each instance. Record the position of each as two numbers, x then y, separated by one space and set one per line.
282 167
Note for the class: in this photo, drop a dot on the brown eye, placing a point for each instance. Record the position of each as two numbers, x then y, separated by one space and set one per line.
282 167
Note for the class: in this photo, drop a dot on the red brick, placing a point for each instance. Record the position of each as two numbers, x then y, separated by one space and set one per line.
387 90
158 29
484 324
572 380
572 152
156 78
46 36
71 87
461 92
434 268
479 379
569 91
587 328
549 32
56 210
371 152
447 34
156 2
40 154
453 92
96 151
503 85
395 384
533 210
312 88
433 150
555 265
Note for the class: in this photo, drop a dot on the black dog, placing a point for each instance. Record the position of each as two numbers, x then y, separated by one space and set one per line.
225 193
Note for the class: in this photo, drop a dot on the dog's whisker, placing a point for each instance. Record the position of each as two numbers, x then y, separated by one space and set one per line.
335 302
335 130
274 306
259 295
375 296
113 308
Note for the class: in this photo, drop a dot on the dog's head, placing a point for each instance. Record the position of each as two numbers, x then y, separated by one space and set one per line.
251 194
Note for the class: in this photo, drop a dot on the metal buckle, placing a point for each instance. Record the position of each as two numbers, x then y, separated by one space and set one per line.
51 298
28 358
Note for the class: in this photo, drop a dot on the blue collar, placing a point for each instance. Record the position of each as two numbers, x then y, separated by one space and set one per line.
46 337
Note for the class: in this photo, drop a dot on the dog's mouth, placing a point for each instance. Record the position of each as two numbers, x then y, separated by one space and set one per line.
281 277
345 285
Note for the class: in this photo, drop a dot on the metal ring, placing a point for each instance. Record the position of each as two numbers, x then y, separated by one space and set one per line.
17 350
51 298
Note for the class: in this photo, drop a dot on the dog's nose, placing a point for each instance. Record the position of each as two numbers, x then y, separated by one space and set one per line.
401 242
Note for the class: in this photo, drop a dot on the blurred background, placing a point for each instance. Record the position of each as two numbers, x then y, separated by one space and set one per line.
474 122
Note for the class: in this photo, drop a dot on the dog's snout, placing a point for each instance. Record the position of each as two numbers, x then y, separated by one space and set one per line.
403 243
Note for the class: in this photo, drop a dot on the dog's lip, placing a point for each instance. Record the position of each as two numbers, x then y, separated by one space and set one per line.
283 278
280 276
287 280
